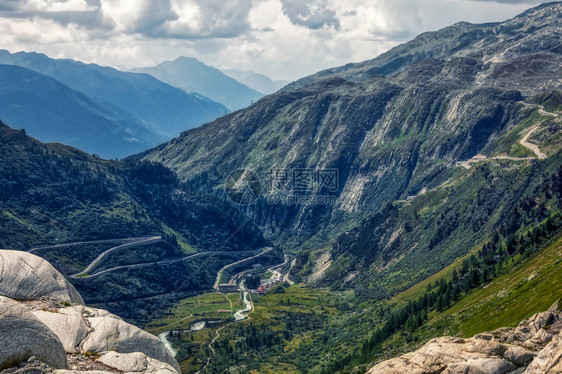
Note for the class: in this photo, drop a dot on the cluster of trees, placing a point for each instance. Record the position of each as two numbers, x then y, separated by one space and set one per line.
256 337
252 281
252 341
186 344
298 322
245 344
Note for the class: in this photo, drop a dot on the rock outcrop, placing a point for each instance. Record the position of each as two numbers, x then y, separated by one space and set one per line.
112 362
26 276
23 336
533 347
136 363
42 333
68 324
549 359
31 366
82 329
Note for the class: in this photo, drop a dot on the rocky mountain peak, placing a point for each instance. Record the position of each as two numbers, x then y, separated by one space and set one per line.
535 31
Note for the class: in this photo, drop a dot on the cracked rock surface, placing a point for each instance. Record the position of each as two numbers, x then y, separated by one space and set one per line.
23 336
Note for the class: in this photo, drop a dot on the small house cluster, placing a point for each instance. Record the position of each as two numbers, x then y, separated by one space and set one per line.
266 285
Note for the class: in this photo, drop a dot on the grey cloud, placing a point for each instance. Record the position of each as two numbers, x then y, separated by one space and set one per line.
512 1
95 3
153 17
156 19
218 19
89 19
9 5
312 14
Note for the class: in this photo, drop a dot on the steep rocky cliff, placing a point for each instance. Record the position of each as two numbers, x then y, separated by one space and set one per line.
391 126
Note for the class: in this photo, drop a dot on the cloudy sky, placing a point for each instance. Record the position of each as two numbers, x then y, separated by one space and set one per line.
284 39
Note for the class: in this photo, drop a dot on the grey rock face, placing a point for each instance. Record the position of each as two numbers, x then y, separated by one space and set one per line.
533 347
82 329
45 330
549 359
68 324
23 336
451 355
136 363
26 276
110 333
31 366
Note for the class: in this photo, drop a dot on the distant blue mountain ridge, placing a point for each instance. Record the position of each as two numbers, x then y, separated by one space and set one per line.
148 110
193 75
53 112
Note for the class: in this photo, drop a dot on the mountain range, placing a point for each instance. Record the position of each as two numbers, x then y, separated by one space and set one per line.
152 110
139 111
414 195
499 46
445 149
54 112
190 74
407 129
258 82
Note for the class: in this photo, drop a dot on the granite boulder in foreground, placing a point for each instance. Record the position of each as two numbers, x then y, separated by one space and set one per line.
45 327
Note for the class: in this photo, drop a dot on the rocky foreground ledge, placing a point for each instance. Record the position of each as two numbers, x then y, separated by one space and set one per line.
533 347
46 328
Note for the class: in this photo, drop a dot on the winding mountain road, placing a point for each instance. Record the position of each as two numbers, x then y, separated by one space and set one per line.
523 141
542 111
144 264
101 241
533 147
97 260
218 278
163 262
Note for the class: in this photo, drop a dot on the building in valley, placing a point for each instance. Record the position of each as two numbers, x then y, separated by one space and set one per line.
228 287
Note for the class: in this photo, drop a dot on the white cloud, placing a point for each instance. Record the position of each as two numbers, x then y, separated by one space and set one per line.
25 32
284 39
59 6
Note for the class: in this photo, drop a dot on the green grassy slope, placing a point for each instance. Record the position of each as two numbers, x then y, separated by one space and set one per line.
530 287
